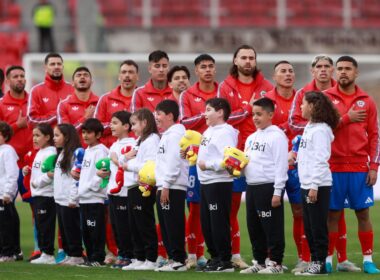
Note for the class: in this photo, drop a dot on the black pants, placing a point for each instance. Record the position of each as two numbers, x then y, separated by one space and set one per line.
94 230
142 224
9 229
46 39
120 225
70 228
172 221
315 223
215 219
265 223
44 217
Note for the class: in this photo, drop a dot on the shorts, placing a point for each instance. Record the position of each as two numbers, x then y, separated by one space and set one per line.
293 187
350 190
240 184
193 188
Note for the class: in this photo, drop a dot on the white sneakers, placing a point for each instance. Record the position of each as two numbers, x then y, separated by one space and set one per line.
72 261
44 259
135 263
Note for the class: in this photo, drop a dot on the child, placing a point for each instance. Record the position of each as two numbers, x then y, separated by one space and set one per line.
9 219
266 175
216 185
315 175
43 194
141 209
66 140
172 174
91 196
119 213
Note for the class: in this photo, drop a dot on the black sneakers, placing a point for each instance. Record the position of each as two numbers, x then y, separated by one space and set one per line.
219 266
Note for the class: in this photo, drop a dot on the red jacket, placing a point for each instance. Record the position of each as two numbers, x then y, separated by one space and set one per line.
296 121
22 139
355 142
71 110
241 115
108 104
44 99
148 97
192 107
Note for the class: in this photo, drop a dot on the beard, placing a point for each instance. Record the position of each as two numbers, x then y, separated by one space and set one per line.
57 77
18 89
345 83
245 71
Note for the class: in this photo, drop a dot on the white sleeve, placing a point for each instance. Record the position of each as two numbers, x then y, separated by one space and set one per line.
43 180
11 172
94 183
172 161
280 158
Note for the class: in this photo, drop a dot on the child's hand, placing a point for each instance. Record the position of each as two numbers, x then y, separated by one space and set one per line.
72 205
202 165
75 175
292 158
7 199
313 196
25 170
50 174
164 199
182 154
131 154
276 201
102 173
125 166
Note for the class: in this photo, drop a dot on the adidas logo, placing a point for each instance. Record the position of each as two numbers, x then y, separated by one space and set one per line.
231 94
335 101
10 108
150 99
114 104
197 99
369 200
75 108
45 99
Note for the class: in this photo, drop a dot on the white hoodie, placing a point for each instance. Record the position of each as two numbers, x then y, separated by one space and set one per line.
89 183
172 171
313 155
41 184
65 188
128 176
9 171
211 151
268 158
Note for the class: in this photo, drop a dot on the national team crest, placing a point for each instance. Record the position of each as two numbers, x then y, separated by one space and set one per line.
262 93
360 103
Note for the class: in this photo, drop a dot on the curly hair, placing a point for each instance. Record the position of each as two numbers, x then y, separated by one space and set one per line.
323 109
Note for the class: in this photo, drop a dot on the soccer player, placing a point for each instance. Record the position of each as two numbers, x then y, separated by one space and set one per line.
179 80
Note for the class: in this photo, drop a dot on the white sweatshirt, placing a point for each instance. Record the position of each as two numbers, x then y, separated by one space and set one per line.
41 184
268 158
211 151
89 183
313 155
128 176
147 150
65 189
172 171
9 171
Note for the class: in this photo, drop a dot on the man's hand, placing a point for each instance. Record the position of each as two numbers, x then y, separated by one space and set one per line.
357 115
21 121
371 177
89 112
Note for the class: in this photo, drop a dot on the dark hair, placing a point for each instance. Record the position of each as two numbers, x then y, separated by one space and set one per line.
220 104
169 107
46 130
1 77
93 125
281 62
234 69
323 109
52 55
157 55
177 68
80 69
6 130
14 67
124 117
130 62
321 57
72 142
266 103
203 57
349 59
144 114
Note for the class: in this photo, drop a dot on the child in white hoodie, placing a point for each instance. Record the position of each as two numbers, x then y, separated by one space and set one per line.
266 175
315 175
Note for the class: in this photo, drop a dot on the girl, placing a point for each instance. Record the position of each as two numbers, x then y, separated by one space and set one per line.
67 141
42 193
315 175
142 219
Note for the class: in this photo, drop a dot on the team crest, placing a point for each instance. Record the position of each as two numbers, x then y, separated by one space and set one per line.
45 99
150 99
75 108
360 103
197 99
262 93
114 104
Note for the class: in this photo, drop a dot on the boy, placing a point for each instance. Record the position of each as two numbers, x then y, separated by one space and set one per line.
9 219
91 196
172 174
216 185
266 175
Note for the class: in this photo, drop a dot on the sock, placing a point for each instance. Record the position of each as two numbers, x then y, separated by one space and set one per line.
333 236
329 258
297 234
341 243
366 242
367 258
234 223
161 251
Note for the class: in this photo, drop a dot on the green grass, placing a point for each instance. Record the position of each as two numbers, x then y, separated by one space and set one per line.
24 270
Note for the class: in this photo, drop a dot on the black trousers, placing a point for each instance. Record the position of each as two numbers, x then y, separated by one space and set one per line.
46 39
9 229
44 217
215 219
315 223
70 228
119 216
172 222
94 230
142 224
265 223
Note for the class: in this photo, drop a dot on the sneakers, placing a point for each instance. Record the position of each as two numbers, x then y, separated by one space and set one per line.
4 259
328 267
147 265
35 255
72 261
370 268
92 264
134 264
121 262
300 266
173 266
315 268
347 266
191 262
44 259
238 262
61 256
19 257
110 258
161 261
255 268
218 266
272 268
